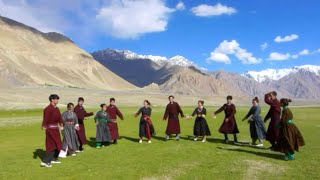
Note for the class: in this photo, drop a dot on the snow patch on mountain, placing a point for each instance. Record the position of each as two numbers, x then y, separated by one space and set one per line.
276 74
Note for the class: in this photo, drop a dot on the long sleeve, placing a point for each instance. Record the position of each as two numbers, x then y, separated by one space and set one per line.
180 110
119 113
75 118
234 111
46 116
64 116
87 114
249 113
96 117
194 112
204 111
150 112
138 112
220 110
108 118
166 113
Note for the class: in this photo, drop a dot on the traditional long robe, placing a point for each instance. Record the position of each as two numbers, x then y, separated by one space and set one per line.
290 138
81 114
51 120
257 128
229 127
113 111
172 112
146 128
103 132
70 138
200 127
274 113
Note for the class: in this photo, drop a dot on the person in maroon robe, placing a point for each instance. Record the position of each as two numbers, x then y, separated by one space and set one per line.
52 122
273 114
81 114
172 114
229 124
113 111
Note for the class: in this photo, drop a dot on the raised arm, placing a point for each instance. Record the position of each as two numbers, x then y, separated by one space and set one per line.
194 112
249 113
86 114
219 110
138 112
268 99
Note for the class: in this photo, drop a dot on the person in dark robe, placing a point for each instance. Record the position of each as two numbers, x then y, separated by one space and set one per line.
81 114
172 114
273 114
103 133
70 141
257 128
290 138
200 127
229 124
146 128
51 123
113 111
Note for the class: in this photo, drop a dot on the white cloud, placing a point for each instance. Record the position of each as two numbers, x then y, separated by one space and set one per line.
225 48
23 12
275 56
117 18
204 10
264 46
304 52
180 6
130 19
286 38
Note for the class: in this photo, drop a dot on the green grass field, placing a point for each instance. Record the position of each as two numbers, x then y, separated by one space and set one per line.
22 142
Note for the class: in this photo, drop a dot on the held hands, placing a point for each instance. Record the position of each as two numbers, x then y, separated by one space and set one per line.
227 119
114 121
214 115
77 127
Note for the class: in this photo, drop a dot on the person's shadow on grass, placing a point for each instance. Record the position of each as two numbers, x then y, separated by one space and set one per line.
262 154
39 153
130 138
92 142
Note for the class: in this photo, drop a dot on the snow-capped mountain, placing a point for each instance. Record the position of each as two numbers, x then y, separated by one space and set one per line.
160 60
277 74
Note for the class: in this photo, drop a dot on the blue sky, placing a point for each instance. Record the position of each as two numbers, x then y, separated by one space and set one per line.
214 34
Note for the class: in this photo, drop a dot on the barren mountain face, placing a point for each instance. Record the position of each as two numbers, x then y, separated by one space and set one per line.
29 57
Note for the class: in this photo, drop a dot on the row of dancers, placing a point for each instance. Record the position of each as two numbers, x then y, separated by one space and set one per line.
282 133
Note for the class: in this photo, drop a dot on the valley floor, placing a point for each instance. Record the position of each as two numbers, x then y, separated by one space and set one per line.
22 147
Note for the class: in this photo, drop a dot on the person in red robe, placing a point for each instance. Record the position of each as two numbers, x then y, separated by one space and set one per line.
229 124
52 122
273 114
113 111
172 114
81 114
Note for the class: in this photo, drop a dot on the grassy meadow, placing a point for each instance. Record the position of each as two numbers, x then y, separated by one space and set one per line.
22 147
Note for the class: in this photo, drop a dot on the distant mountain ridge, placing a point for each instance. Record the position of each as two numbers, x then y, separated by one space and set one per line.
182 76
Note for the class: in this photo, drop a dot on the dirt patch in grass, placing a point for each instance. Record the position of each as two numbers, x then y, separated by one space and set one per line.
256 167
170 174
